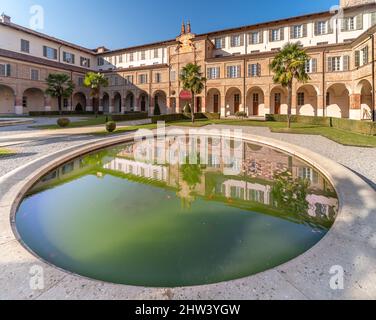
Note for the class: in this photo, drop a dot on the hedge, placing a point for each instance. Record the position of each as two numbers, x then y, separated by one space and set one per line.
64 113
182 117
129 116
357 126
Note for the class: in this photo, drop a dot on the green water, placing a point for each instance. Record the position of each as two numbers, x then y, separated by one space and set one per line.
187 226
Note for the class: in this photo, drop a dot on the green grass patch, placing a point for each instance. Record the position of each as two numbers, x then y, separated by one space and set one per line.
87 122
103 132
5 152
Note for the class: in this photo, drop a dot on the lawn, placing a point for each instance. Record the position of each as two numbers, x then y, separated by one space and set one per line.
5 152
86 122
340 136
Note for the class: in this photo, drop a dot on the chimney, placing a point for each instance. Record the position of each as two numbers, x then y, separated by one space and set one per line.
183 28
5 19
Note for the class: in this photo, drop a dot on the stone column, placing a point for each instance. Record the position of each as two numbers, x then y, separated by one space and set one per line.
18 108
100 107
123 105
294 104
355 106
223 106
267 105
320 106
111 107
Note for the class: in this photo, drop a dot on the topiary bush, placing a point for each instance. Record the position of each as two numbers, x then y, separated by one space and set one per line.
241 114
63 122
157 110
111 126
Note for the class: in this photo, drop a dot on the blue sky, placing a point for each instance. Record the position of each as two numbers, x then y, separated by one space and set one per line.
123 23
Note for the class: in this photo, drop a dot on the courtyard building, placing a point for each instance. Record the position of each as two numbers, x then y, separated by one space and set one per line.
236 63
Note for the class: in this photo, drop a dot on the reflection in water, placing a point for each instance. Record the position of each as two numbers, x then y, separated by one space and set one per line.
232 215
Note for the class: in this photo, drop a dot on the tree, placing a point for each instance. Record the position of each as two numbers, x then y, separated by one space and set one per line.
60 86
290 64
193 80
95 81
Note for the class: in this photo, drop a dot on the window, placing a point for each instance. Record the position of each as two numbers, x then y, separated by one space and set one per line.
255 38
131 57
361 57
143 78
156 53
311 66
254 70
143 55
327 99
65 103
120 59
275 35
297 31
220 43
338 63
49 53
158 77
236 41
25 46
352 23
173 75
301 99
100 61
85 62
5 70
80 82
213 72
233 72
24 102
68 57
321 27
128 79
34 74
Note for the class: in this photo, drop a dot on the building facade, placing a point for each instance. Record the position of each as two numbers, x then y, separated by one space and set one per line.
236 63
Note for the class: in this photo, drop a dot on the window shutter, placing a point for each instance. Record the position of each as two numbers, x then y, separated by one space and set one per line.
8 70
314 65
261 36
305 31
329 25
241 40
223 43
250 39
44 51
228 72
359 21
357 59
292 32
238 71
346 63
282 34
218 72
73 59
373 18
330 65
64 56
270 35
232 42
259 70
344 24
316 28
55 54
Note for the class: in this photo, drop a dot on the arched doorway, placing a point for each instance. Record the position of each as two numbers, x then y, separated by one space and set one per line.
117 102
143 102
160 100
213 101
233 101
337 101
79 102
106 103
7 99
33 100
278 101
129 102
364 88
306 100
255 102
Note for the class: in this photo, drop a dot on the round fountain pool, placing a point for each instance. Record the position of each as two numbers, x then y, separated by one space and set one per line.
168 214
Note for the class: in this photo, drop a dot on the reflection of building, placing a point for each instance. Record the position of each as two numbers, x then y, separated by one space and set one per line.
236 62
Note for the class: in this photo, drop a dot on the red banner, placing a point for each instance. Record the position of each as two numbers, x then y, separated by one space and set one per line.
185 95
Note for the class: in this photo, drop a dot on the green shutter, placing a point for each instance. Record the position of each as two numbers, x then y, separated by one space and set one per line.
346 63
373 18
357 58
292 32
305 31
8 70
282 34
330 64
344 24
259 69
45 51
314 65
359 21
316 28
330 28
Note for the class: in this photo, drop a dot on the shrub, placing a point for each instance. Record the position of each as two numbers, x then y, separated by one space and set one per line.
241 114
157 110
111 126
63 122
187 109
130 116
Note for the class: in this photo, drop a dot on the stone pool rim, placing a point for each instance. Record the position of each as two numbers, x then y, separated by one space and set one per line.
333 171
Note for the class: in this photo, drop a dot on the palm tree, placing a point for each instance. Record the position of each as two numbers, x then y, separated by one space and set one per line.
290 64
95 81
193 80
59 85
